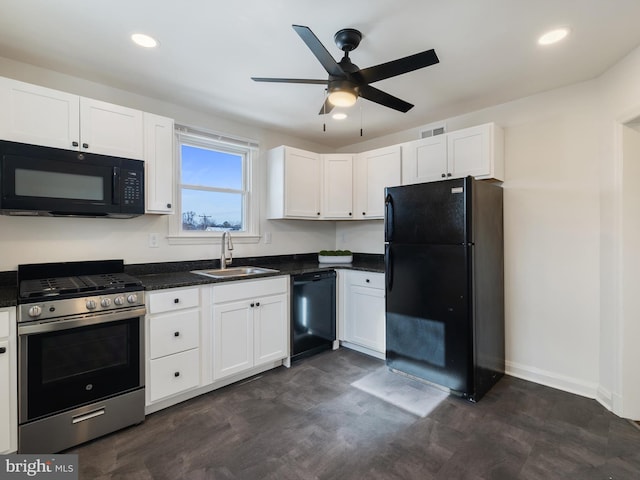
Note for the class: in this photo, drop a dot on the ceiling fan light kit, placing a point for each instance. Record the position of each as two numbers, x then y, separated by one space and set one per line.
346 81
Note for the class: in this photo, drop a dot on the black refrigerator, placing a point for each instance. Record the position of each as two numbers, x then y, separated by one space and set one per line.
444 283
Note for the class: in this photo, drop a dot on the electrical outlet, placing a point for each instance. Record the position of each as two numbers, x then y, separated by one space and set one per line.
267 237
153 240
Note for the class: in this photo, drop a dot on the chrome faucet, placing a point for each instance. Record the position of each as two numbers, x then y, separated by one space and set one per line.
226 246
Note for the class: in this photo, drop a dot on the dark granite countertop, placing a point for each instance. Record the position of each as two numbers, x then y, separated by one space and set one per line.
177 274
155 276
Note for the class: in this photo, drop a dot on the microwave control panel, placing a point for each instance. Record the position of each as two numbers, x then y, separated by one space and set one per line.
132 188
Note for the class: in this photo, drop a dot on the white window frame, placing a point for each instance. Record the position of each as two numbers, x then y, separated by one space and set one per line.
251 214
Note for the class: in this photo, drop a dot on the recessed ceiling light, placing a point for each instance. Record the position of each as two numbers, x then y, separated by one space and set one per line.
553 36
339 116
144 40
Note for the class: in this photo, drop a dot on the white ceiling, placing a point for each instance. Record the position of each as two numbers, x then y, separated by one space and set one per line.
209 49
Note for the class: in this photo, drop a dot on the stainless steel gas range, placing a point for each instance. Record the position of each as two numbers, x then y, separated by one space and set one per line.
80 353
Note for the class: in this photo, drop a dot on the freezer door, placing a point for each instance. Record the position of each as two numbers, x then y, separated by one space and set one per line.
432 212
428 326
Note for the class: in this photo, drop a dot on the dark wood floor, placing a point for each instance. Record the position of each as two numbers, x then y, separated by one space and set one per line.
308 422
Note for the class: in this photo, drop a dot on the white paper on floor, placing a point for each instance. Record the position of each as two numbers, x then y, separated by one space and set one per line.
415 397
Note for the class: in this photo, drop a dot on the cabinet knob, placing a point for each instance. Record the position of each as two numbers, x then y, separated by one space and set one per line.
448 174
318 213
257 304
176 374
367 280
3 350
364 213
85 145
74 144
443 175
349 213
176 334
252 305
176 300
168 205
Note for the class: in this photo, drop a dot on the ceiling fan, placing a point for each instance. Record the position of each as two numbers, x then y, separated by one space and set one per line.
346 81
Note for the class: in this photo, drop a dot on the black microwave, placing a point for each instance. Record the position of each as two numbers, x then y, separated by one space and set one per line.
37 180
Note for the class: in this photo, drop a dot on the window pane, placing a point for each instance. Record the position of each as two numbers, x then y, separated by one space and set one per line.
211 211
205 167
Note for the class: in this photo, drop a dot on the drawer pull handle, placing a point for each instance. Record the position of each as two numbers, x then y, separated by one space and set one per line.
176 300
85 145
176 374
176 334
88 416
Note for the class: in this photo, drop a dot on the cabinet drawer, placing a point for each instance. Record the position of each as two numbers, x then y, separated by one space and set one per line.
173 299
4 324
174 374
173 333
232 291
366 279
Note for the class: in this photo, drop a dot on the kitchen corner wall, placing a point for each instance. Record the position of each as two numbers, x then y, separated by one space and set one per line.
35 240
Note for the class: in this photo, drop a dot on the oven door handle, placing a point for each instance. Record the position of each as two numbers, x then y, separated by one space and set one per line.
75 322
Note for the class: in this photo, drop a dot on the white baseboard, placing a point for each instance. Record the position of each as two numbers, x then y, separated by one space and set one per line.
554 380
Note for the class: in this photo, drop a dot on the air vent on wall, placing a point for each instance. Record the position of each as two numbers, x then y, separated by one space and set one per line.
433 129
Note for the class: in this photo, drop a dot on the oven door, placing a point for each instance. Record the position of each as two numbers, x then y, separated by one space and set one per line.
64 364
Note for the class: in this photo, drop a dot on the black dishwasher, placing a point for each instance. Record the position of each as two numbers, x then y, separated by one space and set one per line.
313 313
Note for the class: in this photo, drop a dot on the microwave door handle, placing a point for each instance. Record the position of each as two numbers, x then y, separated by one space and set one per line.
115 194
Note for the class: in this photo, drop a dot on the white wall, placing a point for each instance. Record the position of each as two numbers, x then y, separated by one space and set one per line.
552 224
33 240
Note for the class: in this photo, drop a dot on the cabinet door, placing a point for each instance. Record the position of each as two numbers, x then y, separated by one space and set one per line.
158 163
232 338
38 115
8 382
374 171
338 186
365 323
469 152
424 160
302 184
5 397
270 329
111 129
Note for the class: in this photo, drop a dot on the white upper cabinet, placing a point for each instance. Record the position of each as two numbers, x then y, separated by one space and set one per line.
158 163
294 183
337 197
38 115
375 170
111 129
476 151
43 116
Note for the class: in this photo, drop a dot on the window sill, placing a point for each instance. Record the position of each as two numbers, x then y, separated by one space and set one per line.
209 239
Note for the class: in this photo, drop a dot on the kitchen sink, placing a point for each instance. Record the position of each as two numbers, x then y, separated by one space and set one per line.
234 272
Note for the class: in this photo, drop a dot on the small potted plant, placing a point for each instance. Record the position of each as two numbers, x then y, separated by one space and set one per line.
335 256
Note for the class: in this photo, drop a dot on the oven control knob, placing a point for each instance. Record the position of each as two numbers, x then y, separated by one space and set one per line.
119 300
35 311
105 302
133 298
91 304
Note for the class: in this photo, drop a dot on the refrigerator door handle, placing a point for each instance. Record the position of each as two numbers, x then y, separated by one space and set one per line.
388 269
388 224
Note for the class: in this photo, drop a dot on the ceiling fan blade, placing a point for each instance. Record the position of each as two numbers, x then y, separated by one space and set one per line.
327 106
289 80
383 98
397 67
321 53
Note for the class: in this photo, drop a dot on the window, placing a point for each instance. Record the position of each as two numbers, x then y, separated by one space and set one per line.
215 188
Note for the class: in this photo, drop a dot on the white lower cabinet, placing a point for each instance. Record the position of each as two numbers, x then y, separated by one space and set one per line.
250 324
173 327
8 382
362 311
